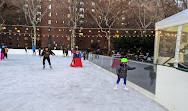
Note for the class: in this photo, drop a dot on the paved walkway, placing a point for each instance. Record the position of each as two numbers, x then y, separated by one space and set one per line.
25 86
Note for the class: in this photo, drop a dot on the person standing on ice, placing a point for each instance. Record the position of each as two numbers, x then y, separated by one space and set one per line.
122 72
34 48
2 52
46 55
6 52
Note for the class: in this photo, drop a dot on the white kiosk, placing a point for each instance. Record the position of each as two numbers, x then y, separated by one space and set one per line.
171 57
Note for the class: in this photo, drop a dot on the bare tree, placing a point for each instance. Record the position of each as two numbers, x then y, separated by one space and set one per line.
31 9
70 7
106 13
3 21
145 16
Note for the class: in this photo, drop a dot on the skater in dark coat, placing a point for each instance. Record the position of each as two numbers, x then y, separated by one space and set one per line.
46 55
122 72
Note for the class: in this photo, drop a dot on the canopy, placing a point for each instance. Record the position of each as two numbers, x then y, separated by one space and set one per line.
175 20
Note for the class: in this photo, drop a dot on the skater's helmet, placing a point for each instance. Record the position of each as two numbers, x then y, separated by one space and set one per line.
77 51
3 46
124 60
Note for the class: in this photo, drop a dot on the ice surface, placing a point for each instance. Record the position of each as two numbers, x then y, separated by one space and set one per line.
25 86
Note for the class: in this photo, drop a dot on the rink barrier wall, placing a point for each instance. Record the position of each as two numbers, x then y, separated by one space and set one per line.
30 52
172 88
134 86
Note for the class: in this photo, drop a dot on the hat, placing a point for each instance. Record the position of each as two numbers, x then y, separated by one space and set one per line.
124 60
77 51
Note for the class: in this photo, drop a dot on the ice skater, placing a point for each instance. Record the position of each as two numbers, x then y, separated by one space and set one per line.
46 55
34 48
6 52
2 52
122 72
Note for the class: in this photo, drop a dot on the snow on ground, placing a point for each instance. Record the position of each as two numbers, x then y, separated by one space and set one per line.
25 86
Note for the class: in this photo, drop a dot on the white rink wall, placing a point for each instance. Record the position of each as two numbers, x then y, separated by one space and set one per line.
30 52
172 88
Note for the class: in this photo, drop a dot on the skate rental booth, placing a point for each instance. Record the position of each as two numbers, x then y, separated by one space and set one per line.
171 57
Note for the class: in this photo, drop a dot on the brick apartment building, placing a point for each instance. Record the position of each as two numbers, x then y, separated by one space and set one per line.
54 29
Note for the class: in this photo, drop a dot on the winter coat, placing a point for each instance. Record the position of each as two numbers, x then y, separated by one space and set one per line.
33 48
3 50
6 50
47 53
77 55
122 70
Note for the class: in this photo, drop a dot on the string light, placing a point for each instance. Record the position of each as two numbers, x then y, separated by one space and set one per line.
89 30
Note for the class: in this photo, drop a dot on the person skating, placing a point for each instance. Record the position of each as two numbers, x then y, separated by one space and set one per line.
6 52
46 55
39 51
2 52
122 72
34 48
26 49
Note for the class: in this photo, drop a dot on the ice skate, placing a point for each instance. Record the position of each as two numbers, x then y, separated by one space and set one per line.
116 86
125 88
43 66
50 67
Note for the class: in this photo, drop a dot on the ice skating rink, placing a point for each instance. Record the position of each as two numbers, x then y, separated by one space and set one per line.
25 86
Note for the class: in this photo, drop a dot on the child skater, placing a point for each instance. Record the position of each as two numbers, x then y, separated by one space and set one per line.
122 72
46 55
6 52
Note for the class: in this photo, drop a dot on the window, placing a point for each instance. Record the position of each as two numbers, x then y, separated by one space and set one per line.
10 31
68 15
56 21
82 15
81 9
123 18
50 14
17 38
25 38
39 6
49 0
81 3
10 37
56 13
38 13
49 22
49 29
93 4
39 1
92 41
49 6
81 22
99 41
93 10
63 22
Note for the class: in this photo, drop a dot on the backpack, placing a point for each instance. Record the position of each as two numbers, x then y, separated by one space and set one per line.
6 50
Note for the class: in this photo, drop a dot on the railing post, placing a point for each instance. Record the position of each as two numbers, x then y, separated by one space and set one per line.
177 51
